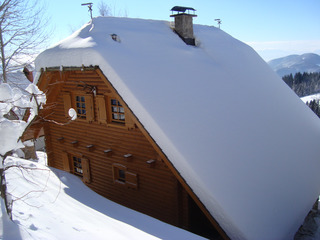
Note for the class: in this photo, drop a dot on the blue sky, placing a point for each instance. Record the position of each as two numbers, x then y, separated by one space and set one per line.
273 28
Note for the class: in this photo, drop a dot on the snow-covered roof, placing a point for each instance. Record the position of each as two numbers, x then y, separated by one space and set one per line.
242 140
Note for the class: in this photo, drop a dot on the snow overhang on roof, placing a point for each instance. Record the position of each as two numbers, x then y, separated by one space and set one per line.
242 140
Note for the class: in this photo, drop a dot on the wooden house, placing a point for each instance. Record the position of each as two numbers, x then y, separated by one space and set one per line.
111 151
154 134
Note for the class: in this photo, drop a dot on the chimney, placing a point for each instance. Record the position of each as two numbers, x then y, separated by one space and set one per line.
183 23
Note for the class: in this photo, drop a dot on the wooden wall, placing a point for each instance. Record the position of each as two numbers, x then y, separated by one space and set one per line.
158 193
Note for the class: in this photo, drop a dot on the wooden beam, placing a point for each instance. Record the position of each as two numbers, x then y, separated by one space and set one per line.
66 69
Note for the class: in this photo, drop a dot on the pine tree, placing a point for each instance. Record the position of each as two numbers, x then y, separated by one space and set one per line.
303 84
314 106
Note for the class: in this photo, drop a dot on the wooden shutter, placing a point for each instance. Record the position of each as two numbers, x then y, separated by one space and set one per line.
67 103
132 180
102 111
89 107
86 177
65 162
115 170
129 120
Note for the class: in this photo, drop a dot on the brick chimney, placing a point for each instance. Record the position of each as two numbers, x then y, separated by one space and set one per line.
183 23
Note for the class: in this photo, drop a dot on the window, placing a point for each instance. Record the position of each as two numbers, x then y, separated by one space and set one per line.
112 112
77 166
117 111
124 177
121 175
81 102
81 107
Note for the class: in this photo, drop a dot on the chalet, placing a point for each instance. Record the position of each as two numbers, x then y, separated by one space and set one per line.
195 130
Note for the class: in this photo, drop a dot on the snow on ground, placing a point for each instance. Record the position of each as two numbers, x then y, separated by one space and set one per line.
311 97
52 204
59 206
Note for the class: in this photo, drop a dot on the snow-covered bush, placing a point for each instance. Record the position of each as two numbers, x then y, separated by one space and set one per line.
13 100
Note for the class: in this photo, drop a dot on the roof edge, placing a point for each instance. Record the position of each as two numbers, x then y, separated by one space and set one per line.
175 172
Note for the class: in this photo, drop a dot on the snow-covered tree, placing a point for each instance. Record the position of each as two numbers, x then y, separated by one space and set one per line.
22 32
12 129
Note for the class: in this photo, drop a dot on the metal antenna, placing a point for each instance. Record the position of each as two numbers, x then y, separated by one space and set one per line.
218 21
89 6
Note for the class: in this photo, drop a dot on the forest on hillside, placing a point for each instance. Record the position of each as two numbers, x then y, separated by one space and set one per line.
303 84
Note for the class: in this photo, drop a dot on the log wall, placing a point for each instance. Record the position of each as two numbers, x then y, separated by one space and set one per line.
158 192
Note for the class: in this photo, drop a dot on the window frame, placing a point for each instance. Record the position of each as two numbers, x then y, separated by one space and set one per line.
75 168
116 168
68 165
115 109
80 105
103 108
89 105
130 179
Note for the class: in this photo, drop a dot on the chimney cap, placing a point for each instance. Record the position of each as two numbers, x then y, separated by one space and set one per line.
180 9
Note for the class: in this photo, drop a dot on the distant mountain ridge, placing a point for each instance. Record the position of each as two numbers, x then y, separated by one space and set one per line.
308 62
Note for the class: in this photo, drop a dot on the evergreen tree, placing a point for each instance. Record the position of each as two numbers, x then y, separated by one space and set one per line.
314 106
288 79
303 84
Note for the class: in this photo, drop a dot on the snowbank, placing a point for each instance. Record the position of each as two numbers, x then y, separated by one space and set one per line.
310 98
228 123
57 205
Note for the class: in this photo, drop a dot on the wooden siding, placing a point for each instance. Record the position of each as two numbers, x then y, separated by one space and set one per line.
154 187
156 193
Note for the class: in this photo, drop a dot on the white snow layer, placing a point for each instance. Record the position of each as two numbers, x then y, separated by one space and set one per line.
311 97
51 204
12 98
242 140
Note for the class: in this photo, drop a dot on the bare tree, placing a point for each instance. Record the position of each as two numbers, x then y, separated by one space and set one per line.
109 10
22 33
104 9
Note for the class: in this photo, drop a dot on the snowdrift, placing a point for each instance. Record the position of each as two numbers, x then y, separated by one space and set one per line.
52 204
